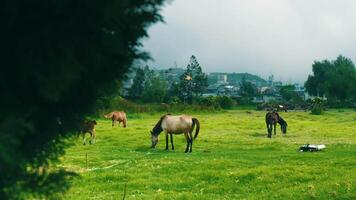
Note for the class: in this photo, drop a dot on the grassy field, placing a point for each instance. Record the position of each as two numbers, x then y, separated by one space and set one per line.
231 159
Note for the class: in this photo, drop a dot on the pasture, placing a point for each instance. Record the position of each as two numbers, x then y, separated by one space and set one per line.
232 158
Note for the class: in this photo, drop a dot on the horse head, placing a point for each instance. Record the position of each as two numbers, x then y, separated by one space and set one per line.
283 124
154 139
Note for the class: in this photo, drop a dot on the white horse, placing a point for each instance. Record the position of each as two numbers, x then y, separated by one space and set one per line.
181 124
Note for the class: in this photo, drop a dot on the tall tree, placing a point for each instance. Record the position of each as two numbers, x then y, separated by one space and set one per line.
57 57
316 84
155 89
333 79
136 90
193 81
288 93
247 89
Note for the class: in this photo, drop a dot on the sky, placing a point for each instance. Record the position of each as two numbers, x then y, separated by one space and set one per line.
279 37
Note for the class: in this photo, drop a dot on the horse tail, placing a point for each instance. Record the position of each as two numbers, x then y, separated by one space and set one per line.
196 122
124 120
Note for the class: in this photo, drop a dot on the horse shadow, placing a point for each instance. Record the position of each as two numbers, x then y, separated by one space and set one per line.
143 149
259 135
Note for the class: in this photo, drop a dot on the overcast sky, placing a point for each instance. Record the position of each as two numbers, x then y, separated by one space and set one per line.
280 37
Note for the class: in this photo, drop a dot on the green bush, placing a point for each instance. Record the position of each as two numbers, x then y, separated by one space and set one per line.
209 102
217 102
225 102
317 106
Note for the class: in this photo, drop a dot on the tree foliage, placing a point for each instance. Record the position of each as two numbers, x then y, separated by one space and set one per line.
193 82
247 89
137 87
333 79
155 89
148 87
288 93
57 57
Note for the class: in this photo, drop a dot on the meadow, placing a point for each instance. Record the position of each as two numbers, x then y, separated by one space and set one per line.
232 159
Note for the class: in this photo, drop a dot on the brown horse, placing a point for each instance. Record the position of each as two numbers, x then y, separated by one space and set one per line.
171 124
119 116
272 118
88 127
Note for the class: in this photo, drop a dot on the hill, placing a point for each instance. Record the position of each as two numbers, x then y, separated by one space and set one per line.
235 78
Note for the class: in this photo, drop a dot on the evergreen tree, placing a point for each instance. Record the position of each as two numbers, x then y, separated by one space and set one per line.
57 58
193 81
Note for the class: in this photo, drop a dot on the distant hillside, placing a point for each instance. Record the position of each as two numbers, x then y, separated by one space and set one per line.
235 78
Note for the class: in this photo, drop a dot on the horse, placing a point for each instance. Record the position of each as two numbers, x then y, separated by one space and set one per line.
272 118
181 124
115 116
88 127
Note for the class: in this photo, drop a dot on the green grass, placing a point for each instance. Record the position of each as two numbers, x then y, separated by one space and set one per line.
231 159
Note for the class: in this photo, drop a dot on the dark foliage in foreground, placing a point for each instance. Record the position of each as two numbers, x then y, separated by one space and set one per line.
57 57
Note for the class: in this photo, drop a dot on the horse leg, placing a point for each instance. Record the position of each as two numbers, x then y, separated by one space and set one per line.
91 137
191 141
188 142
94 136
274 126
269 127
124 123
112 123
84 142
166 141
172 141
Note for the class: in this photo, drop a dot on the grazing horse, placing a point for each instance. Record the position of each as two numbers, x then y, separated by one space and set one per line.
272 118
115 116
171 124
88 127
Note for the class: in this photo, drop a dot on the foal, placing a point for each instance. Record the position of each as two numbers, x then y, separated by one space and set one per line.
272 118
115 116
171 124
88 127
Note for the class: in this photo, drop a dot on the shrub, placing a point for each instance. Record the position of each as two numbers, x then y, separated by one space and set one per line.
225 102
317 106
209 102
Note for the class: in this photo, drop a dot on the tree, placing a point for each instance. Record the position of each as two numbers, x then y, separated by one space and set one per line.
315 85
288 93
155 89
193 81
334 79
57 58
137 87
247 89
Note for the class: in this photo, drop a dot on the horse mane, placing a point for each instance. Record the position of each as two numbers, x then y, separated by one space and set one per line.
281 121
157 129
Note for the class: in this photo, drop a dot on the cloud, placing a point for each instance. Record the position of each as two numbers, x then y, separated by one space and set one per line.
282 37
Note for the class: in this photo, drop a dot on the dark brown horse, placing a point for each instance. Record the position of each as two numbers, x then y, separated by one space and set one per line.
88 127
117 116
171 124
272 118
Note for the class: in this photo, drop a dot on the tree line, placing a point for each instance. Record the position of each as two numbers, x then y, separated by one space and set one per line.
149 87
333 79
